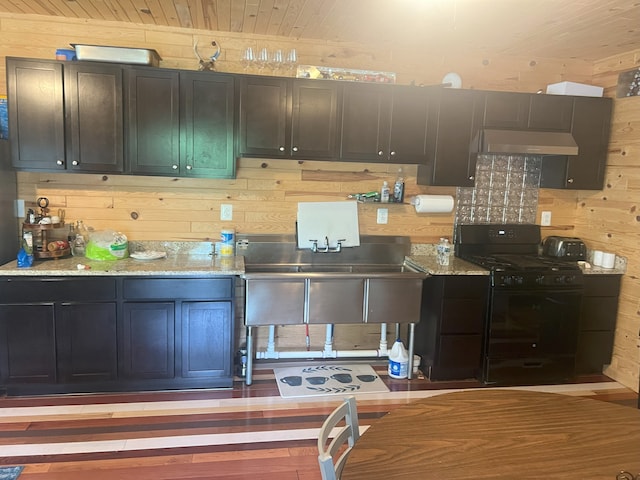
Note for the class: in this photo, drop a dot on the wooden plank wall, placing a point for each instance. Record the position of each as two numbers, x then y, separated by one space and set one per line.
265 193
609 220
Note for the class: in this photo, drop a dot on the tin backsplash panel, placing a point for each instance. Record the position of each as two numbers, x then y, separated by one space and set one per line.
505 191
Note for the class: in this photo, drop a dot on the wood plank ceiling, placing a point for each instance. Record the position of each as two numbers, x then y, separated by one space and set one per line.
582 29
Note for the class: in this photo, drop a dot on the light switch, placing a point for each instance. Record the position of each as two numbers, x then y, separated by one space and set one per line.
383 215
20 209
545 219
226 212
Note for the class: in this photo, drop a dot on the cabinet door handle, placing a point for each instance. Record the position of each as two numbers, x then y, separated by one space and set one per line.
393 153
189 167
75 162
380 153
174 166
472 177
569 180
295 149
281 149
59 162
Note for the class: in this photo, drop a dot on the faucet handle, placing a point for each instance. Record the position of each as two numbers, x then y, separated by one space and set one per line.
314 245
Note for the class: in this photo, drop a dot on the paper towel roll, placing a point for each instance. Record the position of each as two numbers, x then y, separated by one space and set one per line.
433 203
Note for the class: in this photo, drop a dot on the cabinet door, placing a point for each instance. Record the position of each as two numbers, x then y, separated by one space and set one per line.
453 123
86 342
152 121
409 122
94 118
207 112
36 114
506 110
263 117
27 345
365 123
314 120
591 126
148 340
550 113
206 329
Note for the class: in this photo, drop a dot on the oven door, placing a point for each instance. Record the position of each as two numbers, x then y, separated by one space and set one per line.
531 336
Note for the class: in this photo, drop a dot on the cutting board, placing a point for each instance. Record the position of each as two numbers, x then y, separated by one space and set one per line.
333 220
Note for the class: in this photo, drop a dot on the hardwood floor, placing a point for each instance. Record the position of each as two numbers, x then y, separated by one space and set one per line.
240 433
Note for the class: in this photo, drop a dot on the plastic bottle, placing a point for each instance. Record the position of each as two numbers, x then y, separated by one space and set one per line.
398 188
443 251
398 360
385 191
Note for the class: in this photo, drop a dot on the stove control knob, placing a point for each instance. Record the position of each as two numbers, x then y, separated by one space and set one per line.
569 279
540 279
559 279
519 280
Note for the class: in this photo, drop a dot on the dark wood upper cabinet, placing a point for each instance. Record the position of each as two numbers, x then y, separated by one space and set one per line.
455 116
384 123
288 118
314 119
94 118
262 130
366 120
152 121
506 110
207 122
65 116
526 111
550 113
36 114
590 129
409 124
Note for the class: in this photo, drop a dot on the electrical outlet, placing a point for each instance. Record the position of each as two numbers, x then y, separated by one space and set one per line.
383 215
20 209
226 212
545 219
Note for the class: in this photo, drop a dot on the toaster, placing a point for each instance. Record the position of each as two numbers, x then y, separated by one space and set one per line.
568 248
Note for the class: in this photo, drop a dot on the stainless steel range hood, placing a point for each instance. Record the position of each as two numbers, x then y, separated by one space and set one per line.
525 142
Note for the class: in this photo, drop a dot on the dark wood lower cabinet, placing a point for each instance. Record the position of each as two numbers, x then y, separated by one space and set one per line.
86 343
27 344
450 333
148 340
598 314
62 334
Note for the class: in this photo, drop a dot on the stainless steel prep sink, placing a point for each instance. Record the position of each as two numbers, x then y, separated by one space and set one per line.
369 284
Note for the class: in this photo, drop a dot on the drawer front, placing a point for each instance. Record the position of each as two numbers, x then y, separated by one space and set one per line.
466 286
602 285
177 288
56 289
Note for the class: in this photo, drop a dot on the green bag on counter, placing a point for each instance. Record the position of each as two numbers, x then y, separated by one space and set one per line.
107 245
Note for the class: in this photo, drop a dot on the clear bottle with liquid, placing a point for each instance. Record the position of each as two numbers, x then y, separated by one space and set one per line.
398 188
385 192
443 251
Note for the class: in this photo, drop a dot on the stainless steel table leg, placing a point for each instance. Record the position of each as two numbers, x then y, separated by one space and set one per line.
248 377
412 328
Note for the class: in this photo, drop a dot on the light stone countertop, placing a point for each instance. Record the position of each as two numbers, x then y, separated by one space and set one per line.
183 258
429 264
423 257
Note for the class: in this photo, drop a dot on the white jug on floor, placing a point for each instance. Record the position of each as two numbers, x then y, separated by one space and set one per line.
398 360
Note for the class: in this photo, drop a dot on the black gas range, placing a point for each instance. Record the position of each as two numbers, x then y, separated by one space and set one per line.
534 305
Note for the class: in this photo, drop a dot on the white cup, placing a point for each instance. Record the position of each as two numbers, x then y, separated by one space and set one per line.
55 219
597 258
608 260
